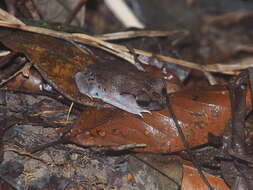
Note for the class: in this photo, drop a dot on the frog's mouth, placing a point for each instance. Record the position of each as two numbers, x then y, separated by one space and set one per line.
150 105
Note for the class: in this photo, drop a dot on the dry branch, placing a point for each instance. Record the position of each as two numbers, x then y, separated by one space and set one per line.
24 153
123 52
141 33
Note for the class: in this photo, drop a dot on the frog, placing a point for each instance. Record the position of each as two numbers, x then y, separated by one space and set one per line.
123 86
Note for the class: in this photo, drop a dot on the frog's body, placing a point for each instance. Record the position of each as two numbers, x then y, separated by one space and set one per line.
123 86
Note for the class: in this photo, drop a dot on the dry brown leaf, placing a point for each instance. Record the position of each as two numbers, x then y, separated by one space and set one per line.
56 60
31 84
192 180
199 112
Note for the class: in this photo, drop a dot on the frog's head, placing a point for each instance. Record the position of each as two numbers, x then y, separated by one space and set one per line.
85 81
154 97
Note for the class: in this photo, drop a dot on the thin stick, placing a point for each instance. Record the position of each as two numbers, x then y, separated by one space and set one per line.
123 52
118 50
24 71
8 17
140 33
187 146
70 109
24 153
118 147
4 53
210 78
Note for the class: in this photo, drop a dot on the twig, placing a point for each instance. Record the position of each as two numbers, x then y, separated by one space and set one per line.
49 112
24 153
4 53
123 52
69 111
118 147
118 50
55 131
8 17
140 33
187 146
245 48
5 58
24 71
210 78
232 67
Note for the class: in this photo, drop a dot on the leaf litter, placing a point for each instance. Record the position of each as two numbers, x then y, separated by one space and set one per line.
200 112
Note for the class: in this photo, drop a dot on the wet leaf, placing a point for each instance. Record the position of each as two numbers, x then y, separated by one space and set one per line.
192 180
57 60
199 112
32 84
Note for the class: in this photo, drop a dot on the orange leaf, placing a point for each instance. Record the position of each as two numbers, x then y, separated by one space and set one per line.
198 112
57 60
192 180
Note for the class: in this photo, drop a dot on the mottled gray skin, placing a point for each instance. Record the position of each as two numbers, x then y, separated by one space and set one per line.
123 86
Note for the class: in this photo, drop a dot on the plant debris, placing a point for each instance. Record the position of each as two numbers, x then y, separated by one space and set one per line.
78 111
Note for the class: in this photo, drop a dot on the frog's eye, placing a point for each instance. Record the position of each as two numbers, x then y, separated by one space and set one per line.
142 103
142 99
